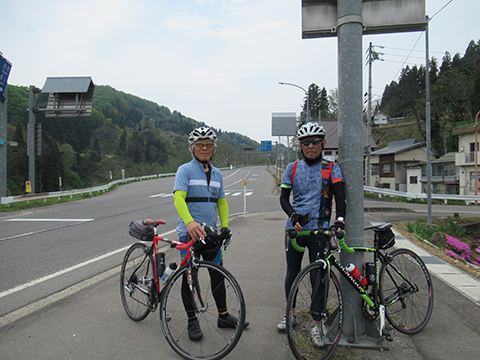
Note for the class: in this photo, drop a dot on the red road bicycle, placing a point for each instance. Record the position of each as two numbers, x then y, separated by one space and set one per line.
190 286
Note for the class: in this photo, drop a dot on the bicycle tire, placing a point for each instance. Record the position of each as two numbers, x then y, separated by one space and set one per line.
137 281
216 342
406 290
300 303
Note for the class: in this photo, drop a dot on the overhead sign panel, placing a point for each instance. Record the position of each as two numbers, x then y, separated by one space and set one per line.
283 124
5 67
319 17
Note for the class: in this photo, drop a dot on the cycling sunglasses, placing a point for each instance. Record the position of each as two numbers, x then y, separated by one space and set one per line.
315 141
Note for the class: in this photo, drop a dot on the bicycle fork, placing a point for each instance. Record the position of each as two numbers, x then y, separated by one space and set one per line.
194 287
387 334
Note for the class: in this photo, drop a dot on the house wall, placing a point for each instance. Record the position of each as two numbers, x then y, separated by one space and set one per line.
398 179
419 154
411 186
465 159
380 119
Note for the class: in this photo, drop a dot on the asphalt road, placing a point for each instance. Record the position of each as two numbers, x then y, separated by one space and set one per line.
59 289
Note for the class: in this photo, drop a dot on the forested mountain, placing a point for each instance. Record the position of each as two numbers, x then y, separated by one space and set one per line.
454 96
123 132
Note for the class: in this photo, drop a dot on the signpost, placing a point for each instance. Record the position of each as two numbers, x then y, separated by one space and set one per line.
5 67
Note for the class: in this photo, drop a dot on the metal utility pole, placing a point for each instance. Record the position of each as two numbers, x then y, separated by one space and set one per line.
350 123
31 135
372 56
429 127
3 145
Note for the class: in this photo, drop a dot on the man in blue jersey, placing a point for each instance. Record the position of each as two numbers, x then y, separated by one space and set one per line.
199 196
314 182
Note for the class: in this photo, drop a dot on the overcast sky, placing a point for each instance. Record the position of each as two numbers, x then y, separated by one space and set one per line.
217 61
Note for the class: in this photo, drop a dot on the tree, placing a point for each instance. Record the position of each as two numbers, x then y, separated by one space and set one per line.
122 146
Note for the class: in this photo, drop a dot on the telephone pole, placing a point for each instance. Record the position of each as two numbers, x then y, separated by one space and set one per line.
372 55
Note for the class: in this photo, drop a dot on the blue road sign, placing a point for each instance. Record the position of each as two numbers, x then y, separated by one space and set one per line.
266 145
5 67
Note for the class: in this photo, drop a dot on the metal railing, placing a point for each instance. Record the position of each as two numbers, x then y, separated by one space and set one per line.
408 195
103 188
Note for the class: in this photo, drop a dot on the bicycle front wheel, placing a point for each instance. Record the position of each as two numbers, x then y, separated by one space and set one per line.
212 289
314 300
406 291
137 280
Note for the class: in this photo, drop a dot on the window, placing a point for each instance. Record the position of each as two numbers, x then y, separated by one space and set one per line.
413 180
386 168
450 170
472 180
437 170
375 169
327 152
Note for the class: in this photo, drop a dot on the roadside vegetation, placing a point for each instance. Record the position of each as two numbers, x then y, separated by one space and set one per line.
455 240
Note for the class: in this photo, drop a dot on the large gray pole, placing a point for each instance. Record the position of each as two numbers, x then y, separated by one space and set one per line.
3 148
31 137
350 145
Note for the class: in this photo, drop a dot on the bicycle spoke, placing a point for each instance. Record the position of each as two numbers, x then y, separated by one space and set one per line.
208 299
406 291
306 302
137 283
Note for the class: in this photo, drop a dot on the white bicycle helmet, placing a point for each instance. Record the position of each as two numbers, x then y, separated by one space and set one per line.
202 133
311 129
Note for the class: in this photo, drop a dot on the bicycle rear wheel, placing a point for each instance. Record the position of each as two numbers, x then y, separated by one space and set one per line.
216 342
137 281
306 298
406 291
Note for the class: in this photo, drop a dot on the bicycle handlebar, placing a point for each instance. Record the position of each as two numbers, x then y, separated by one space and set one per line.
178 244
340 235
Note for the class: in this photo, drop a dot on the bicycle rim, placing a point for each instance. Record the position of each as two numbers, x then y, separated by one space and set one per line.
406 291
136 281
216 342
305 299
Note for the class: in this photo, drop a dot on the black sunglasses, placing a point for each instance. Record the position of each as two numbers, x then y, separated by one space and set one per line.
307 142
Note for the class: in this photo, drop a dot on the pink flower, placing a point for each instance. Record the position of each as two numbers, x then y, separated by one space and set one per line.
451 254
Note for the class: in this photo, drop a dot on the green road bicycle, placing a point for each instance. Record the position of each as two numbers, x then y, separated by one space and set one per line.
399 288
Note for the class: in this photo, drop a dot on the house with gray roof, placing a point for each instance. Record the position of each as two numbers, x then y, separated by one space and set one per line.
389 165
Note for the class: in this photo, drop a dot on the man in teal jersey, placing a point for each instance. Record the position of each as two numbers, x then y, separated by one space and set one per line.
313 182
199 197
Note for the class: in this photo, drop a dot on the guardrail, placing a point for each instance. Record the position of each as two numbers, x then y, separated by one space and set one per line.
59 194
468 199
408 195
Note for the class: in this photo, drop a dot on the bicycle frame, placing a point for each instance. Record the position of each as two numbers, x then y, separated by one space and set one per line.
371 299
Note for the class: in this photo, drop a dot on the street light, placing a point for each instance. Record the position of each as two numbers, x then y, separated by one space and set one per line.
306 93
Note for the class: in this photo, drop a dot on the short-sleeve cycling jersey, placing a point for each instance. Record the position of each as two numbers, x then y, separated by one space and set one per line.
312 190
202 197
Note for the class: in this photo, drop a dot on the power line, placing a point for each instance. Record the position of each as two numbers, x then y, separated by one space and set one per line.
444 6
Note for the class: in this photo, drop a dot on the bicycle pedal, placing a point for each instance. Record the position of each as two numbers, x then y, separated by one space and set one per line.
388 335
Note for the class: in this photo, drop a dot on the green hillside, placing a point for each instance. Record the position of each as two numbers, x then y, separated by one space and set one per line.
123 132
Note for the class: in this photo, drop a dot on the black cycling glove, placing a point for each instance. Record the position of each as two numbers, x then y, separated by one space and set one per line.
339 224
227 235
